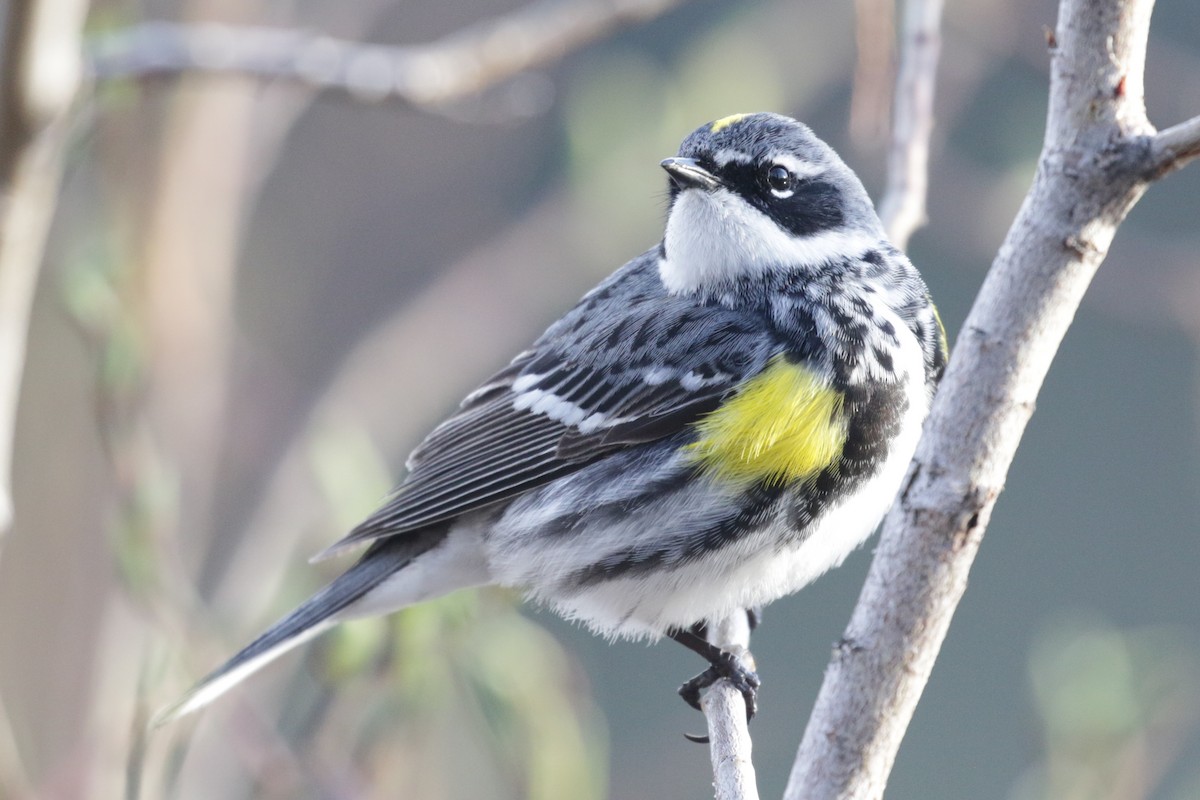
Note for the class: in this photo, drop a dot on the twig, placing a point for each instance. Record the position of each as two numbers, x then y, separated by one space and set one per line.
1098 157
725 709
903 206
456 67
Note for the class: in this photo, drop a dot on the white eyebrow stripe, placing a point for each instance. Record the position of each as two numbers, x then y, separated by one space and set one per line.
801 169
727 156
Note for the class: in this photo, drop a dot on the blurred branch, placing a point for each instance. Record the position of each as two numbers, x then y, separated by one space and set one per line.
39 78
1099 155
451 69
903 206
725 710
874 31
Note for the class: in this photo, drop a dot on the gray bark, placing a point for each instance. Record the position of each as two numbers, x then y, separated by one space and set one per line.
1099 155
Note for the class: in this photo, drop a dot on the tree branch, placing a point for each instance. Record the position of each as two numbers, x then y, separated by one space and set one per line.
1177 145
725 709
455 67
903 206
39 77
1098 157
871 97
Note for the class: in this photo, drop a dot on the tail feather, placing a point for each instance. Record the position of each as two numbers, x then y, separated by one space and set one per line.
316 615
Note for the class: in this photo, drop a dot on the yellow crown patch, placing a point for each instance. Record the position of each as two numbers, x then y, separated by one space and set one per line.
725 122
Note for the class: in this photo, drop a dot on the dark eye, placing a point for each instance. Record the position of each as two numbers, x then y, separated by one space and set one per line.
779 179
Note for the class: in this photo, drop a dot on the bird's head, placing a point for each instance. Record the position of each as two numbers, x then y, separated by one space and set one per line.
752 193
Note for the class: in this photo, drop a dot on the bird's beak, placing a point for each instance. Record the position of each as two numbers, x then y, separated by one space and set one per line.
686 173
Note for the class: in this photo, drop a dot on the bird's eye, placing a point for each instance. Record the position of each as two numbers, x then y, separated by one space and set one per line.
779 178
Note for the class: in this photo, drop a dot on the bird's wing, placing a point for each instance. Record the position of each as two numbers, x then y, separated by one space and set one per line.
621 369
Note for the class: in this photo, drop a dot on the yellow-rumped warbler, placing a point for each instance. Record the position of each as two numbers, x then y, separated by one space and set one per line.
719 422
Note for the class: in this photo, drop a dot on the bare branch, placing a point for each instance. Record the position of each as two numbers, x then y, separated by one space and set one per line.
1177 145
903 206
1094 167
725 710
39 78
456 67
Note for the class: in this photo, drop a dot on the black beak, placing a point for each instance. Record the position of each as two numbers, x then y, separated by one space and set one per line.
686 173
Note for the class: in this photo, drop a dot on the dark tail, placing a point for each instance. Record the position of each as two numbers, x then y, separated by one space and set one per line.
317 614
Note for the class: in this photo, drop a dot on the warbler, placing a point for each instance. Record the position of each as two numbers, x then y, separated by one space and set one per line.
715 425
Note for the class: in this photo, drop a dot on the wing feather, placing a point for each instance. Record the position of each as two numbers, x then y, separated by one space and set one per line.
617 371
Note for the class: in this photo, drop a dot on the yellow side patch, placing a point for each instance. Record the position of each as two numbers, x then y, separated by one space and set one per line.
943 343
783 425
725 122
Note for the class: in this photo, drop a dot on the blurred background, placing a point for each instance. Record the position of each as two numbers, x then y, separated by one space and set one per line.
257 300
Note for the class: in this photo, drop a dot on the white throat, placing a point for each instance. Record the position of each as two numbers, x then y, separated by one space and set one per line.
715 236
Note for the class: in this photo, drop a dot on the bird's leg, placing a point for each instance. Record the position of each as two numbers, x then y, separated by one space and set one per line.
723 664
754 617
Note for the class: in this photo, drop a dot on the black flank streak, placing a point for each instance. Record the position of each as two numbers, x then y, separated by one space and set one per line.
875 416
753 511
606 512
757 505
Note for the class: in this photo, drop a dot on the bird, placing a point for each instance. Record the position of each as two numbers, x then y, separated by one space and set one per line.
715 425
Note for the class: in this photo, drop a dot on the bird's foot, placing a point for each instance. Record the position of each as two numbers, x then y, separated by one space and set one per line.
731 667
735 667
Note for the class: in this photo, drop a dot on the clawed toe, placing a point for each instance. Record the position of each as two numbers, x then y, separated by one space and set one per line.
690 691
724 665
730 667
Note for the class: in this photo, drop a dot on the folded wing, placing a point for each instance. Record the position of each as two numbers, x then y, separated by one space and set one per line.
605 377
